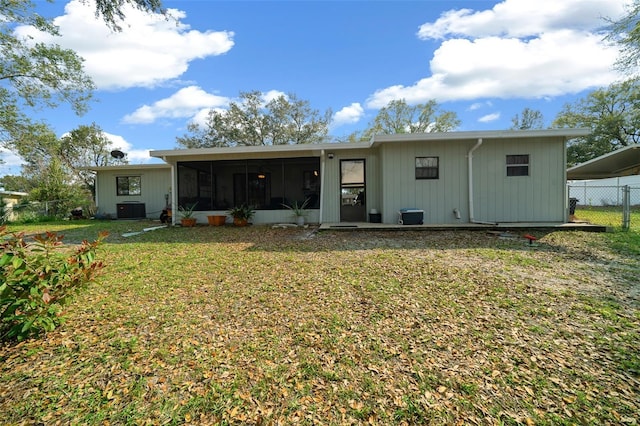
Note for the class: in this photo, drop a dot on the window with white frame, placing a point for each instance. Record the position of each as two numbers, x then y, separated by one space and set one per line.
427 168
518 165
129 185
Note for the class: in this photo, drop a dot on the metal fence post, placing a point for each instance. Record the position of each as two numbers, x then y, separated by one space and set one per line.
626 207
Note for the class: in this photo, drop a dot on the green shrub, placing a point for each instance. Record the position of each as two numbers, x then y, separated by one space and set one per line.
36 279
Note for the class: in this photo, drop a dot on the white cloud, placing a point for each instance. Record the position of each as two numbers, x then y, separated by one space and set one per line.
522 18
518 49
489 117
200 118
348 115
191 102
149 50
10 158
478 105
186 102
135 156
273 94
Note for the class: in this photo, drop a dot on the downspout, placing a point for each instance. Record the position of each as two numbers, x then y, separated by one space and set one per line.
322 160
95 190
470 177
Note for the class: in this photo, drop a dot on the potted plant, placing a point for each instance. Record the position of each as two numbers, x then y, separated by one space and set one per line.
299 211
216 220
241 214
186 215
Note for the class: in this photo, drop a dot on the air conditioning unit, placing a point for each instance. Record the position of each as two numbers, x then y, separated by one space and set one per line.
132 211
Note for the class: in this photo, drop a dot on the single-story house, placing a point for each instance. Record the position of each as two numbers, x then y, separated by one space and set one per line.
449 178
10 200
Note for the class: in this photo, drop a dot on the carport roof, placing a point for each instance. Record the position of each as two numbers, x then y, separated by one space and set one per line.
621 162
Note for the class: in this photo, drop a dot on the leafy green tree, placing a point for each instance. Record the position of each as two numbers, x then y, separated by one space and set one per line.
17 183
399 117
626 34
35 75
86 146
282 121
111 11
529 119
55 168
612 114
39 75
56 188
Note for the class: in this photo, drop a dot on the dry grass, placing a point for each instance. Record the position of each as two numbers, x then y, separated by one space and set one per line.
287 326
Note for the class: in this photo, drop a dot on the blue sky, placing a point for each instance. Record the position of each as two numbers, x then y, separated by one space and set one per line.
486 60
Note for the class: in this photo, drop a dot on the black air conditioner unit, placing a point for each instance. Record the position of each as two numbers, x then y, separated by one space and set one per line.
131 211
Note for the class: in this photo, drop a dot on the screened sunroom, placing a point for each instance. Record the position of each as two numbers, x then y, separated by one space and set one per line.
264 184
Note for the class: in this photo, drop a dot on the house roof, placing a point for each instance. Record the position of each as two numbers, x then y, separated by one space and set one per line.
485 134
621 162
264 151
125 167
13 193
268 151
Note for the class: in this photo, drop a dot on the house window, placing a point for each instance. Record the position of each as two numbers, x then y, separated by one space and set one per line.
129 185
427 168
518 165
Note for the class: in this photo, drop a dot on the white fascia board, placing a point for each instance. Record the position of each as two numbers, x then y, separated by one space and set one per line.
264 151
489 134
127 167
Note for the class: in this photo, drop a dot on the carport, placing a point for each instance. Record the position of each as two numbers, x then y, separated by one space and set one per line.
620 163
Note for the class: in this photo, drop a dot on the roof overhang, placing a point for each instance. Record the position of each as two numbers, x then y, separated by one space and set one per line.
252 152
621 162
126 167
316 150
551 134
13 194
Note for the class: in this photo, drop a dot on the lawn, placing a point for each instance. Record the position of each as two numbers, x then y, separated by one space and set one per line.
224 325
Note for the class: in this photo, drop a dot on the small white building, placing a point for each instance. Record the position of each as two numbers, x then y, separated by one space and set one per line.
10 200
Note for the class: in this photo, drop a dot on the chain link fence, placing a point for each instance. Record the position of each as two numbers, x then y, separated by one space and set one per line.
609 205
37 211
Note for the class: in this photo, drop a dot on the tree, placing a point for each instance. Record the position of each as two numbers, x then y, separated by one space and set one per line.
15 183
252 122
112 13
612 114
86 146
626 34
399 117
55 168
35 75
56 188
530 119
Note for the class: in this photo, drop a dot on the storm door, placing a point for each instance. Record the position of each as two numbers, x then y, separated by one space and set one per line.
353 206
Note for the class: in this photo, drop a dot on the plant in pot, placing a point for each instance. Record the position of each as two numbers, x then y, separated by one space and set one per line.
299 211
186 215
241 214
217 220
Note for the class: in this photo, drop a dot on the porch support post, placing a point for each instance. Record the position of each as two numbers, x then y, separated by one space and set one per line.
626 207
322 161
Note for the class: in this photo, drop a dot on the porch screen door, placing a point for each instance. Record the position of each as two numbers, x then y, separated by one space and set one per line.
353 206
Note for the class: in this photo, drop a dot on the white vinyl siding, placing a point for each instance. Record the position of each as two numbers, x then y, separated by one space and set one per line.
437 197
536 198
331 183
154 182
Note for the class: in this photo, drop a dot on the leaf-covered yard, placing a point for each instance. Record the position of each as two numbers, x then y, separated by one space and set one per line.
288 326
